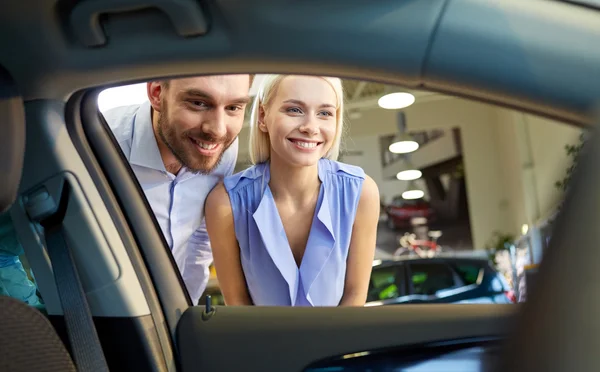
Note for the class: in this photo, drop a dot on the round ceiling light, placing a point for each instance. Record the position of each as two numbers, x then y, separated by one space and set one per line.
409 175
403 147
396 101
413 194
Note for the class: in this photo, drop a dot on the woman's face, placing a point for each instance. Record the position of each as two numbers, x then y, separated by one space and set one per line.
301 120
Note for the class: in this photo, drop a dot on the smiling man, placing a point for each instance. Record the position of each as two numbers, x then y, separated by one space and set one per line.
180 144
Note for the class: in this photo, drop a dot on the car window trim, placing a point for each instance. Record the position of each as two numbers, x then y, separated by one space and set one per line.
91 137
403 279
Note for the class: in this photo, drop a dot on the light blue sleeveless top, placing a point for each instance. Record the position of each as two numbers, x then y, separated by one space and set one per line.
272 276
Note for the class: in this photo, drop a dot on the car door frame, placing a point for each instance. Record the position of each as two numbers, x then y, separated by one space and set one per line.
379 327
364 328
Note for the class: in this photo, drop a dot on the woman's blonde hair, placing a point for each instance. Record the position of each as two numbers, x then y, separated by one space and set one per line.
260 147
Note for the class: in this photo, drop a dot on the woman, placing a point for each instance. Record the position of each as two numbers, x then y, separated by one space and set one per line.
297 228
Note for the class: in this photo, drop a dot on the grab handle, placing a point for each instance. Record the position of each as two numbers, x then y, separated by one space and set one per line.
186 16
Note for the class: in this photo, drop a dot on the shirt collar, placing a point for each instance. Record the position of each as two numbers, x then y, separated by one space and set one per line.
144 149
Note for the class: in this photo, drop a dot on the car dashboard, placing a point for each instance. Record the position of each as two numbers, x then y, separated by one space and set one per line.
479 355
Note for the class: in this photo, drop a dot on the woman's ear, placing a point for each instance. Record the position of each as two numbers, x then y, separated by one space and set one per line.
261 119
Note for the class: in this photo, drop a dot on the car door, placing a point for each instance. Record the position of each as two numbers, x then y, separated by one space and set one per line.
225 338
450 45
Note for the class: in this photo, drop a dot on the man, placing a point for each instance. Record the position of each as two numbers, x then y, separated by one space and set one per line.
180 144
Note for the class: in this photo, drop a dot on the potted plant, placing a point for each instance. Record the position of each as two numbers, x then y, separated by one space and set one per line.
573 152
498 242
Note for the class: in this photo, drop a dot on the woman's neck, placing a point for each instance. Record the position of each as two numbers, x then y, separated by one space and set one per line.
295 184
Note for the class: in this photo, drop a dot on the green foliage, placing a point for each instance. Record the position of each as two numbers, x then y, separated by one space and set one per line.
573 152
459 171
498 242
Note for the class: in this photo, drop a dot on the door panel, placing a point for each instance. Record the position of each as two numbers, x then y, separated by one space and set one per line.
118 301
290 339
106 271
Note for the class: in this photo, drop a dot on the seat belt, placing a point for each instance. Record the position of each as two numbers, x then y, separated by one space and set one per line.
85 343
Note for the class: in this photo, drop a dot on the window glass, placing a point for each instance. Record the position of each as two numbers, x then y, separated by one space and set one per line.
468 273
16 277
384 284
448 172
429 278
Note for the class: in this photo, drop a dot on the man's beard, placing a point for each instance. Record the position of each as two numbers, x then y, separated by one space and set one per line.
195 162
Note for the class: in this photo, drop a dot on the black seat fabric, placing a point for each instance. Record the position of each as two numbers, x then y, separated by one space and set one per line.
28 342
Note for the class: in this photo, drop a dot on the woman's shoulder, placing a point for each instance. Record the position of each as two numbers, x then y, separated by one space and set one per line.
243 178
217 205
343 169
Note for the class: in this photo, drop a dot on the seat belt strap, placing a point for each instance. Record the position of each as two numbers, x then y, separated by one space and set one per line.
84 340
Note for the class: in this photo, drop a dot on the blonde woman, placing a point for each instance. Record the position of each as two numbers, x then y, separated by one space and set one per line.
297 228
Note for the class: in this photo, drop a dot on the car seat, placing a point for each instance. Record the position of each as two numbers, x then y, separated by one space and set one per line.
28 342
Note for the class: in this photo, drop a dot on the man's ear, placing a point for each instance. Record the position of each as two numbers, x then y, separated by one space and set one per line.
261 119
155 90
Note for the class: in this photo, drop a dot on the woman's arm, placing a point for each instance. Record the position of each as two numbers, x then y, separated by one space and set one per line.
362 246
225 248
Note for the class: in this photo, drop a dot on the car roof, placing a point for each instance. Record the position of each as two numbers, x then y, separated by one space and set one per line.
506 52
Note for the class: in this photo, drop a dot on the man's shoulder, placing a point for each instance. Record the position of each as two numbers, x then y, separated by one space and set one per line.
120 120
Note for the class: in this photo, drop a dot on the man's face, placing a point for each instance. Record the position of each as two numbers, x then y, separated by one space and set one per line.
199 118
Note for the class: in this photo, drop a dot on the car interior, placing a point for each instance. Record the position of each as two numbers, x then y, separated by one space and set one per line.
114 299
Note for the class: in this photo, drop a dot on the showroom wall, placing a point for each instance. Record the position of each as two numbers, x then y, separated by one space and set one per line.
512 160
537 146
488 208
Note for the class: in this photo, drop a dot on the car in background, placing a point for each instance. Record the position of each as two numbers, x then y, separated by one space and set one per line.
440 279
409 280
214 291
401 211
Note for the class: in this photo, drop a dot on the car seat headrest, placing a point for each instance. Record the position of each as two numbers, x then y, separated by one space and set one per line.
12 139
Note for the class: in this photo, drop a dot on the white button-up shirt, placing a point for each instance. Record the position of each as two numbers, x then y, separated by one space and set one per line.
176 200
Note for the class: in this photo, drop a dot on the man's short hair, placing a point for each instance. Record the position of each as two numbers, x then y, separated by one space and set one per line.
165 83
